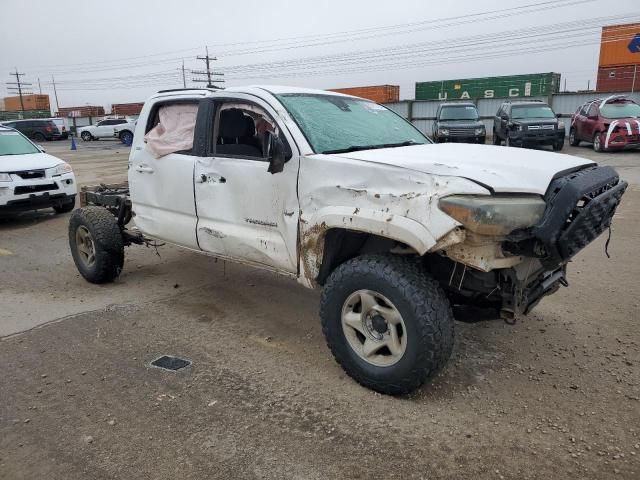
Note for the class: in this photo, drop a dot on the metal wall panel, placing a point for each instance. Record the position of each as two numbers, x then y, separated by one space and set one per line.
401 108
426 109
424 126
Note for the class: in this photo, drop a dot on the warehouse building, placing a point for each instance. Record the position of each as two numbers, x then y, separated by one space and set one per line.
619 65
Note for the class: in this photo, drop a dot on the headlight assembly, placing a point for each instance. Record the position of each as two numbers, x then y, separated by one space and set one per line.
494 215
443 131
479 131
560 125
62 169
5 177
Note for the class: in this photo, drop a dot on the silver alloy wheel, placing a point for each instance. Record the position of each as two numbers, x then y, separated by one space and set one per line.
85 245
86 136
374 328
572 137
596 142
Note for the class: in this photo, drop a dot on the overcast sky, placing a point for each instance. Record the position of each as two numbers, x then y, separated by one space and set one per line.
124 50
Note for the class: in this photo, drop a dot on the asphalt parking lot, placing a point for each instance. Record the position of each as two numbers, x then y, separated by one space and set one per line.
555 396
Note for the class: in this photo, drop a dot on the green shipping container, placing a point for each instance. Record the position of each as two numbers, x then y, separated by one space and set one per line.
530 85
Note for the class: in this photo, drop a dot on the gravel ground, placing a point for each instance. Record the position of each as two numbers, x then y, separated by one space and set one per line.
555 396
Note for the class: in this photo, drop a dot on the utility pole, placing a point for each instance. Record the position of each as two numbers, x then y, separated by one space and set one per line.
209 73
55 93
184 79
39 86
19 87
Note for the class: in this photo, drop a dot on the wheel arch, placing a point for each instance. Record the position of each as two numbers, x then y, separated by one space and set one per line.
342 234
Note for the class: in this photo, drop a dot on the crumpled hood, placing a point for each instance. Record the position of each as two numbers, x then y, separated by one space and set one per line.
502 169
31 161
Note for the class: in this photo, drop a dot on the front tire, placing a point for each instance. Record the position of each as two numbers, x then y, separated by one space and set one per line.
557 146
597 143
496 139
86 136
66 207
96 244
574 141
387 322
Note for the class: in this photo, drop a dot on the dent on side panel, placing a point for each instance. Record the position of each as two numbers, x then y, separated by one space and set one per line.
388 201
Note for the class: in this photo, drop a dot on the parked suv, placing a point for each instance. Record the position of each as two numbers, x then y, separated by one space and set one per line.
102 129
31 179
339 192
527 123
611 123
38 130
458 122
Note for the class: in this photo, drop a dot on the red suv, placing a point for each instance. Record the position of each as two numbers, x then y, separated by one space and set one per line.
611 123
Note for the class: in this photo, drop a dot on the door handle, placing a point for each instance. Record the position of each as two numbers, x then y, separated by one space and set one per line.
144 169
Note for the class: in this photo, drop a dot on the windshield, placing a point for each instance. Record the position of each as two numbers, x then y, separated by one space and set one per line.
620 110
13 143
532 111
466 112
332 123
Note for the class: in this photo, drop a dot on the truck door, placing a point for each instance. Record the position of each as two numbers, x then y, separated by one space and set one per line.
244 212
162 188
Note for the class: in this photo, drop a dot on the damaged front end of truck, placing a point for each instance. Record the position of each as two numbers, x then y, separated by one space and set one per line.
512 250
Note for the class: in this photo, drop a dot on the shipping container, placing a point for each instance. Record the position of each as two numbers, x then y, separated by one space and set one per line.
126 109
375 93
620 45
84 111
620 78
490 87
29 102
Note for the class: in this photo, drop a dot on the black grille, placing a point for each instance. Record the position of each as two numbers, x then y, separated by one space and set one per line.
29 174
24 189
461 131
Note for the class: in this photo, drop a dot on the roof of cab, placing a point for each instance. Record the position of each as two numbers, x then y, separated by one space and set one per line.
273 89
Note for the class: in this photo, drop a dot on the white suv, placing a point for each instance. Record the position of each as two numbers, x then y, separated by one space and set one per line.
102 129
31 179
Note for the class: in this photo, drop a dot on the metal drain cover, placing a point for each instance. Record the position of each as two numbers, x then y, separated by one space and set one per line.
168 362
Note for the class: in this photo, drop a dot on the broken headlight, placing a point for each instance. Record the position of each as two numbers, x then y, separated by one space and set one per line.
494 215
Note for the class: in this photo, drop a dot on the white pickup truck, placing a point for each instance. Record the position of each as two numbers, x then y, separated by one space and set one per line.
342 193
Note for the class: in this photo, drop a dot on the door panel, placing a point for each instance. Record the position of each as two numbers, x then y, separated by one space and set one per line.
162 196
246 213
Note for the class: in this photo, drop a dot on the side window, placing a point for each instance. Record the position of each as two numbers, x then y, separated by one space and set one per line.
241 130
100 124
583 110
593 111
119 122
170 128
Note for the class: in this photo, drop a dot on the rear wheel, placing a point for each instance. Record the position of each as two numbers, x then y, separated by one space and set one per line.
496 139
126 137
573 138
597 142
86 136
387 323
96 244
39 137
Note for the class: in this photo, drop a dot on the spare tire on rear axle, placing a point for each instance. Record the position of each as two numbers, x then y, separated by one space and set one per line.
96 244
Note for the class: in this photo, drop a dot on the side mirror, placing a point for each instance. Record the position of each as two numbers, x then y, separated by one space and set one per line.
41 148
278 153
558 115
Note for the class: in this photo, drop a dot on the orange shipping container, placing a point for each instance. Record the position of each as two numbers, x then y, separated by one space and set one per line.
620 45
30 102
375 93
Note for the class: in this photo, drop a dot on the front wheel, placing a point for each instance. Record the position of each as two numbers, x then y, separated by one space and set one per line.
66 207
573 138
496 139
387 323
96 244
557 146
597 142
86 136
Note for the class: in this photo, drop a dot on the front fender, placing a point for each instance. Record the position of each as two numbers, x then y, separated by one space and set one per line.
377 222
